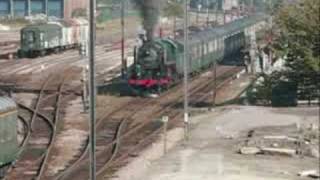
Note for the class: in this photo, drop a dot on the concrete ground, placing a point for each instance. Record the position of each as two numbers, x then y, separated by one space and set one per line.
211 152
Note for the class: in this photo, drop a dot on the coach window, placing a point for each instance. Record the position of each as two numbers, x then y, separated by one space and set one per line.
41 36
215 45
194 52
212 46
29 37
197 50
205 50
221 43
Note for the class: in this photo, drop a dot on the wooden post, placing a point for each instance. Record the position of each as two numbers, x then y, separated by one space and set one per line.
165 120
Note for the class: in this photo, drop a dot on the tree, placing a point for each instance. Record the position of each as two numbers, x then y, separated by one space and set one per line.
299 34
173 9
298 42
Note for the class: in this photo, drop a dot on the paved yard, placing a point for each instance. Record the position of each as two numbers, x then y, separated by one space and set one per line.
211 152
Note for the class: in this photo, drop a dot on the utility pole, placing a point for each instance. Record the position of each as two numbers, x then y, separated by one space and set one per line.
29 7
216 7
46 8
185 64
251 7
92 89
207 13
198 12
123 61
11 8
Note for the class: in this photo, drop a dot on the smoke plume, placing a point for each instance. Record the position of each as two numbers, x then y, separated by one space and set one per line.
149 11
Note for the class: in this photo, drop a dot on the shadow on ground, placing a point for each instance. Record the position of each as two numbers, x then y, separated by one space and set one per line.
115 87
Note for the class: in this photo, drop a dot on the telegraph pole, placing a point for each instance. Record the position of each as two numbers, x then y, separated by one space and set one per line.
207 13
198 12
46 9
185 64
29 7
216 14
124 66
92 89
251 7
11 9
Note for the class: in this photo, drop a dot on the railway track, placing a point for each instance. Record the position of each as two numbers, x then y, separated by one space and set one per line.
32 71
109 125
8 49
41 132
126 128
148 131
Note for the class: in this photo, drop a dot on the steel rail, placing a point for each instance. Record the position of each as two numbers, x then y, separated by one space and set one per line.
111 144
226 77
26 139
53 137
85 152
117 146
34 114
52 123
38 102
26 125
165 111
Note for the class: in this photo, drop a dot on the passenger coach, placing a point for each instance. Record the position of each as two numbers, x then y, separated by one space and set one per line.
41 39
8 131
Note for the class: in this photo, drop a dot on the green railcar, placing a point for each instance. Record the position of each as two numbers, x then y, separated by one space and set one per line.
36 39
8 131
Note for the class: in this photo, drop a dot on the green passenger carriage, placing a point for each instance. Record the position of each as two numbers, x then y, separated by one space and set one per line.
36 39
8 131
53 36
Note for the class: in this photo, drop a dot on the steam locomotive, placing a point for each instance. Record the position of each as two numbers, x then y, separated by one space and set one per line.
158 63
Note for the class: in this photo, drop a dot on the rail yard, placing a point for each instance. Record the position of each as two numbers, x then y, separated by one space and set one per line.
144 89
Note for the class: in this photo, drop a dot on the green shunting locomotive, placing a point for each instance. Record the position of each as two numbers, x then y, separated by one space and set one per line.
158 63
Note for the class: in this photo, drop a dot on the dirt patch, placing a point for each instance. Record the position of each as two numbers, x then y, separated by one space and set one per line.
70 142
25 98
155 151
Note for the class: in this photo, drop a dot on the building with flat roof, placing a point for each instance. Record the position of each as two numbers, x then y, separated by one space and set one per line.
57 8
